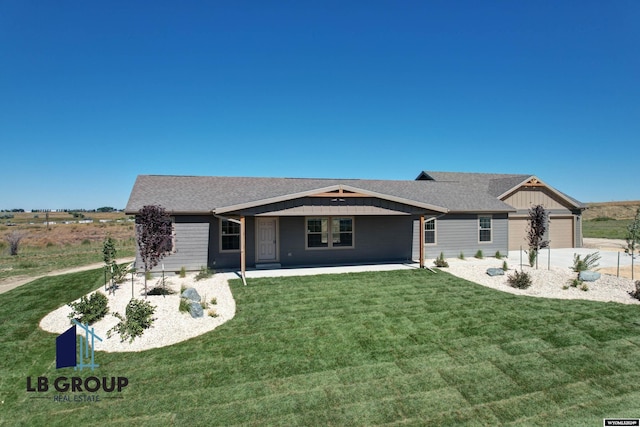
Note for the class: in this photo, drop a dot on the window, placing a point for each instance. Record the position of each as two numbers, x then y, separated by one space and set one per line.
484 228
430 231
229 235
329 232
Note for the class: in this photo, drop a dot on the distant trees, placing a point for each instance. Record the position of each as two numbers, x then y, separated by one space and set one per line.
106 209
535 232
154 232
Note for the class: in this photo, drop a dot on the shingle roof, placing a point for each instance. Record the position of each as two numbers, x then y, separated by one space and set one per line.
496 184
203 194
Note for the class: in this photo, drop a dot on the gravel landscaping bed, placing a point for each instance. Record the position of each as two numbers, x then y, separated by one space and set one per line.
171 326
545 283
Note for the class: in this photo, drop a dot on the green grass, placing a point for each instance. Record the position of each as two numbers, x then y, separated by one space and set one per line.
610 229
408 348
36 260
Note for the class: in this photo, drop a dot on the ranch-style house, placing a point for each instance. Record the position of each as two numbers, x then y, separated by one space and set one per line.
241 222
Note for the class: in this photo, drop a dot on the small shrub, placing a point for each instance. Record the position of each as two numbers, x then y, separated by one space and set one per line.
204 273
584 287
161 290
119 273
505 267
479 254
576 282
498 255
440 261
519 279
565 287
138 318
636 294
589 262
212 313
203 303
461 256
14 239
89 309
184 306
214 301
533 254
183 272
182 289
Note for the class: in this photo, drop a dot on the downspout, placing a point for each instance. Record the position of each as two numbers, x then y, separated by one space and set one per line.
242 243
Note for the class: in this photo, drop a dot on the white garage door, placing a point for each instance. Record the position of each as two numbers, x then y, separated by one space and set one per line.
561 232
517 233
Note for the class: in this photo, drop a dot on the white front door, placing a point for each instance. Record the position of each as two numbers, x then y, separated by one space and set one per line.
267 231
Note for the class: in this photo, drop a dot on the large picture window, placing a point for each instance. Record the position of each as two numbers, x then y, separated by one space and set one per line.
484 228
430 231
229 236
329 232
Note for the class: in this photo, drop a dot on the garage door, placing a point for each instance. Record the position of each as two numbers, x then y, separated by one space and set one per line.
561 232
517 233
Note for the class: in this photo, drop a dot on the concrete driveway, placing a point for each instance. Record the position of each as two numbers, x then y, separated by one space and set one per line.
564 257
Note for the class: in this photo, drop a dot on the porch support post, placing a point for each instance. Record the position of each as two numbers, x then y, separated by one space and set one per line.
421 241
243 252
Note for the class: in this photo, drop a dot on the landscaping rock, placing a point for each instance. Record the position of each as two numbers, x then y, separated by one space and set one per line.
195 310
495 272
589 276
191 294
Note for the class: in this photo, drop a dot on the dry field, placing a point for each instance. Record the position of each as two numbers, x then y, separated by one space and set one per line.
613 210
63 242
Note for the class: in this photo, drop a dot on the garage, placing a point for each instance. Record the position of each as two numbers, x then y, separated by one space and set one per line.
561 232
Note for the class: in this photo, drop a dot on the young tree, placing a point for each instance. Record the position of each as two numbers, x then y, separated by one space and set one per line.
535 232
154 233
633 235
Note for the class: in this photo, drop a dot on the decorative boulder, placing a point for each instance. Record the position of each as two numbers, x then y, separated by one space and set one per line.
495 272
195 310
589 276
191 294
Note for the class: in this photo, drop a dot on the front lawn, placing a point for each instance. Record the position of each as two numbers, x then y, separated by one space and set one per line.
391 348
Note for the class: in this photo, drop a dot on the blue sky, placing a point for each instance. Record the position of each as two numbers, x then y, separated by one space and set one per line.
94 93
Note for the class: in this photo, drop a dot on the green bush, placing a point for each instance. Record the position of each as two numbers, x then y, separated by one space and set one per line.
212 313
479 254
183 272
204 273
505 267
498 255
461 256
519 279
184 306
589 262
440 261
138 318
89 310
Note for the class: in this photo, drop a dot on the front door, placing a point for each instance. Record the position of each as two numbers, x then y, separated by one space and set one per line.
267 231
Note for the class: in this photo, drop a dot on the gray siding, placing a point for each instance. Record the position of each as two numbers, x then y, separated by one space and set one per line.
376 239
191 245
457 233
